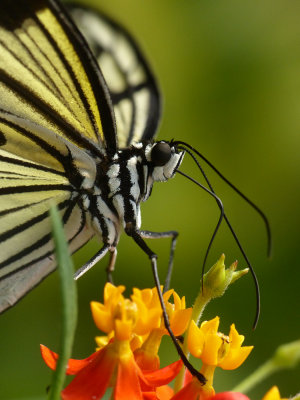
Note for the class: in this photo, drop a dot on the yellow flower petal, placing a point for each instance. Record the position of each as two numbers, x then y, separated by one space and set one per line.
123 329
195 340
111 291
211 348
236 340
273 394
180 321
102 317
210 326
235 357
236 354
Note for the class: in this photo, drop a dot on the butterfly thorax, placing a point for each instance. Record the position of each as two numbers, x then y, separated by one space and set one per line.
122 183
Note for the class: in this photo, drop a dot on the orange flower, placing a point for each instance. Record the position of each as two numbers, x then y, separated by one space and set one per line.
118 362
114 365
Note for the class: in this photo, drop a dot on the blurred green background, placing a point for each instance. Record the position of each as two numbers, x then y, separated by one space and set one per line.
229 71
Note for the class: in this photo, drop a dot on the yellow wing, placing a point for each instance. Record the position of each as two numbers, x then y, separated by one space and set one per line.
51 134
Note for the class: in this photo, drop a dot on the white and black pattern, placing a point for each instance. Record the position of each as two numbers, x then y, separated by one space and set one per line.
133 88
59 143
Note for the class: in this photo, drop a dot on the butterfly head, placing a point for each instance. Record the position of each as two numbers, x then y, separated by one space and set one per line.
163 160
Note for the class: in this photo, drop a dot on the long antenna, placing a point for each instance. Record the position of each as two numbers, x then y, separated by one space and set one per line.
250 202
230 227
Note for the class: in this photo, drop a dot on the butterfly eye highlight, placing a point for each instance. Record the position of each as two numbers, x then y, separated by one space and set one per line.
161 154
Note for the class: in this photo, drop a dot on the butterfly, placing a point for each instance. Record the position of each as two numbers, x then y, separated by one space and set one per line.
73 135
78 115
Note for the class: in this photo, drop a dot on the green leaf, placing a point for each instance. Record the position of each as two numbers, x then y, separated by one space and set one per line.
69 304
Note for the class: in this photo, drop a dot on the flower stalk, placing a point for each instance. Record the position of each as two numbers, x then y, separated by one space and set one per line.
285 356
215 283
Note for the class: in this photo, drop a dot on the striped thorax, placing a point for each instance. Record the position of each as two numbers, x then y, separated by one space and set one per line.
128 179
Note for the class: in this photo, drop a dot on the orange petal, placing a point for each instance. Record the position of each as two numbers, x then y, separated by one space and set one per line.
92 381
164 392
230 396
189 392
162 376
127 384
74 366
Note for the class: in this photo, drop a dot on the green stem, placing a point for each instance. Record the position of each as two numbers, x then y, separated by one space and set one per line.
69 304
256 377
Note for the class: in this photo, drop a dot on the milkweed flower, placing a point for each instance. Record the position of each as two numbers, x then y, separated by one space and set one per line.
215 350
121 362
179 318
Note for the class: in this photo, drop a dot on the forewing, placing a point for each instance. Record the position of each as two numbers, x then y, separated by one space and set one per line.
51 132
48 75
133 89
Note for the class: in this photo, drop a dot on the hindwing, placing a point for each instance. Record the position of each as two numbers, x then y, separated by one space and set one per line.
132 86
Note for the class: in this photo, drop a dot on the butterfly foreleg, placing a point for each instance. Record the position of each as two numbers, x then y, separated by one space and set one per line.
139 239
97 257
160 235
111 265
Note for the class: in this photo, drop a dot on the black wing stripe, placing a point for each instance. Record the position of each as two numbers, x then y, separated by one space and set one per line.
22 163
71 73
94 74
15 209
154 111
53 88
19 228
66 161
14 19
34 189
53 82
28 224
48 112
44 241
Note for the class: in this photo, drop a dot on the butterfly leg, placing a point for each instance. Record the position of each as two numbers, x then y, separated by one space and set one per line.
159 235
111 266
137 237
97 257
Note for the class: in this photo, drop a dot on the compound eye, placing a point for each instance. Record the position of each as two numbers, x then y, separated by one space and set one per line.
161 154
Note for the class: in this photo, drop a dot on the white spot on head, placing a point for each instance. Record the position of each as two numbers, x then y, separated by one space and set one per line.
167 171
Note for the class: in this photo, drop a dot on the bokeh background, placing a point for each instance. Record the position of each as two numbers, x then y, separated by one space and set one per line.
229 72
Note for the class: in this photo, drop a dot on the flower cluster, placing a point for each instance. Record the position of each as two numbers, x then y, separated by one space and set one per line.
127 363
127 356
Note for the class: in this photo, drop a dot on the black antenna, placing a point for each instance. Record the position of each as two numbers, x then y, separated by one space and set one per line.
250 202
218 223
228 223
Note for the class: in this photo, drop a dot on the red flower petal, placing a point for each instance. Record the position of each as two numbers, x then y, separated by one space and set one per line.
162 376
74 366
188 392
149 396
92 381
127 384
229 396
164 392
